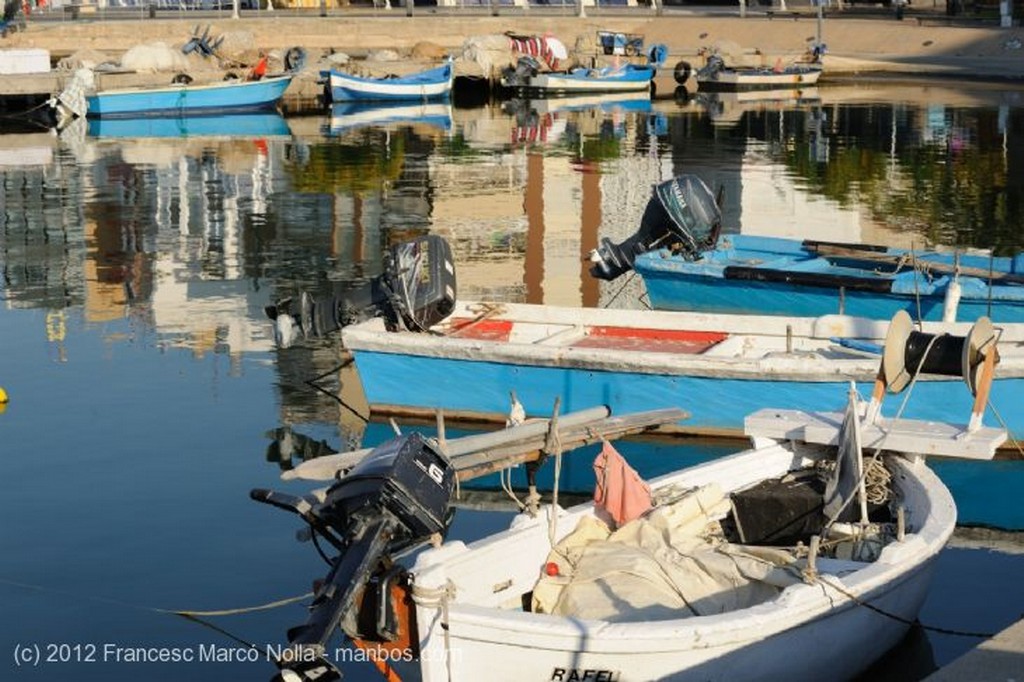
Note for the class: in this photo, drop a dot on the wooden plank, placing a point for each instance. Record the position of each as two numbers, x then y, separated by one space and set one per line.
834 251
909 436
481 454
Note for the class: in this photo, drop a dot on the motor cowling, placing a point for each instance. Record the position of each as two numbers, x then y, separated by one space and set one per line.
682 214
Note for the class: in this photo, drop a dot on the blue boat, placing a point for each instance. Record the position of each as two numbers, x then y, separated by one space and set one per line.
348 116
687 265
430 84
623 78
266 124
719 368
189 99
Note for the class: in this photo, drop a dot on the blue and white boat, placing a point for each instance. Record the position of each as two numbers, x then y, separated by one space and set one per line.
189 99
687 265
430 84
348 116
256 125
718 367
622 78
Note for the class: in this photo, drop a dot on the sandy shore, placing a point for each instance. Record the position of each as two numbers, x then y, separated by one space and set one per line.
856 44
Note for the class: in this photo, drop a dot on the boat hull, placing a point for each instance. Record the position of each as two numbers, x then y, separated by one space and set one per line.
759 79
432 84
224 97
773 276
634 79
669 290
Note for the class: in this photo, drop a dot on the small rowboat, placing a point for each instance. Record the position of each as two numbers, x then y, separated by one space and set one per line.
433 83
189 99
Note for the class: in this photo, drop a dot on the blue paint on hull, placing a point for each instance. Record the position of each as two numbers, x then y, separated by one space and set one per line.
987 493
430 85
233 96
774 276
669 291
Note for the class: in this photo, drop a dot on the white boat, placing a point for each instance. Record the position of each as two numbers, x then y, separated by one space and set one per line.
797 75
804 557
611 614
715 75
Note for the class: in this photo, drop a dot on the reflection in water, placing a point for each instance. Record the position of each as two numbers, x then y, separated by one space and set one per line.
189 228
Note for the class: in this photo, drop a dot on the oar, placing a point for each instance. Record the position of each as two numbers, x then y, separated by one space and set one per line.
876 254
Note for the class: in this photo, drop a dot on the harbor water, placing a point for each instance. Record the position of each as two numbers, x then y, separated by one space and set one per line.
146 397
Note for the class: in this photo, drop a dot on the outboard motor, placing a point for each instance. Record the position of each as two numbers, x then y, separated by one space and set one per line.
394 500
526 67
710 70
682 214
416 291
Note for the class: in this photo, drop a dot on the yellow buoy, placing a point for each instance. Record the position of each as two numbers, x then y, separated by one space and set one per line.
3 396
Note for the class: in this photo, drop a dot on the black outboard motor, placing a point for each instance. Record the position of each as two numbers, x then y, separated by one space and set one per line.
526 67
416 291
682 214
392 501
710 70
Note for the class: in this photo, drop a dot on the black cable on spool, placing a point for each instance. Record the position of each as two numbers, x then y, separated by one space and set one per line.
945 357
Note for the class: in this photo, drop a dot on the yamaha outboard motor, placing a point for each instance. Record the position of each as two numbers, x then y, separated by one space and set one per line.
682 214
394 500
416 291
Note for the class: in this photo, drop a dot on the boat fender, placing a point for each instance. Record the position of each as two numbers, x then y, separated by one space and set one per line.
294 59
182 78
682 72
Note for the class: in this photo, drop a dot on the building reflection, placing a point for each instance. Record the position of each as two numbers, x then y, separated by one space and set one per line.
191 236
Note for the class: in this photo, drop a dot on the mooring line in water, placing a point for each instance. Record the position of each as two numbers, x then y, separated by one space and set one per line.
882 612
184 613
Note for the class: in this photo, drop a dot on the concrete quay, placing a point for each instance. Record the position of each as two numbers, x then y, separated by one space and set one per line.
858 44
999 659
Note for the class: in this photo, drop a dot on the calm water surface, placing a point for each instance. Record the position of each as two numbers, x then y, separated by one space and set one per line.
146 398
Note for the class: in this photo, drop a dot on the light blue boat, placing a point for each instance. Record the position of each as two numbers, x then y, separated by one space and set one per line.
687 265
719 368
189 99
267 124
430 84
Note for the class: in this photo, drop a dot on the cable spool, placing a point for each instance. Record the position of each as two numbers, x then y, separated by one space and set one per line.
908 352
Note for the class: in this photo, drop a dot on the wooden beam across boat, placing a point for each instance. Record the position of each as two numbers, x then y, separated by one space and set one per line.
832 250
481 454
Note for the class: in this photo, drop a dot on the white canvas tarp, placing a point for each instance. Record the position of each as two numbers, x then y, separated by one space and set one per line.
668 564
